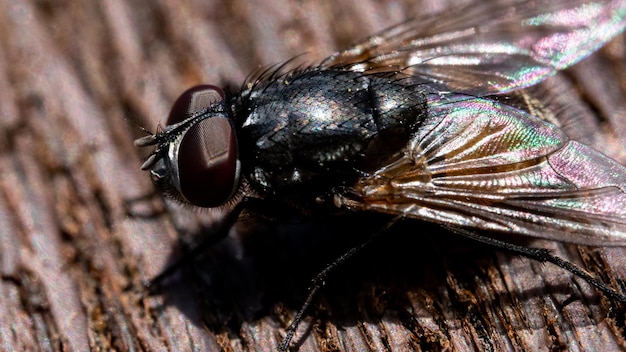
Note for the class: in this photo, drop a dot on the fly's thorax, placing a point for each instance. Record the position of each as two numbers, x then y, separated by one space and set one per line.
317 129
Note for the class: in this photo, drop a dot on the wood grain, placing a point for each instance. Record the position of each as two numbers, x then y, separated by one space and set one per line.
80 231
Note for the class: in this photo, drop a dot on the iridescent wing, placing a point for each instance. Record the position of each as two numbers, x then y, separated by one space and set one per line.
479 164
491 48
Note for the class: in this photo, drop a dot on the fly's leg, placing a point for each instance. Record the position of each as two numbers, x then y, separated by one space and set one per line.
246 203
543 255
320 279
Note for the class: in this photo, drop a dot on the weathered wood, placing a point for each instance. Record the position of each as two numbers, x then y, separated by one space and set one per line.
74 75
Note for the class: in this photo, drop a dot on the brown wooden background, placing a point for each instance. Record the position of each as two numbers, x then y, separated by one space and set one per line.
76 75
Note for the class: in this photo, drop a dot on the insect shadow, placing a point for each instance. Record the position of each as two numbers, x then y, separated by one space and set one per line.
264 268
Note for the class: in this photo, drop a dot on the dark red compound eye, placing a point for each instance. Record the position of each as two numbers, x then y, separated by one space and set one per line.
207 155
193 101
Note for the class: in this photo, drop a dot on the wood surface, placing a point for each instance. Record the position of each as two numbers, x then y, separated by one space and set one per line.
80 228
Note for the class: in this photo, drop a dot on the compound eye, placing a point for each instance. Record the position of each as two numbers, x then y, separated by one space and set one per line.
207 154
194 100
207 162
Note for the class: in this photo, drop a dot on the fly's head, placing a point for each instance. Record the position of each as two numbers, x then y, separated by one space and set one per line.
196 159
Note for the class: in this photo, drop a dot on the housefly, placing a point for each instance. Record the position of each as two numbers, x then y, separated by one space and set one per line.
412 122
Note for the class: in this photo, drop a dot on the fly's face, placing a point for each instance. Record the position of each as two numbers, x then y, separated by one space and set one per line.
195 160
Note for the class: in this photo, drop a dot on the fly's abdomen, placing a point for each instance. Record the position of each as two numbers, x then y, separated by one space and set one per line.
323 128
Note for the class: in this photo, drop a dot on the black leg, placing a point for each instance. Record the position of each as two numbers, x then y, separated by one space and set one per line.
319 280
221 233
543 255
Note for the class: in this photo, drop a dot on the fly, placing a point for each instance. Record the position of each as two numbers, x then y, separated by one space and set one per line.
408 123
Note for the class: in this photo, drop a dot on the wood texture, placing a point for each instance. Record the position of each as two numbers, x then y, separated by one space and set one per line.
79 232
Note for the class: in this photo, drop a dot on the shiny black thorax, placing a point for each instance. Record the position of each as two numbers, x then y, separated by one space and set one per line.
311 131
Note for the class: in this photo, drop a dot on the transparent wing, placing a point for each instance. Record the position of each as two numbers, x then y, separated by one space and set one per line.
480 164
492 47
